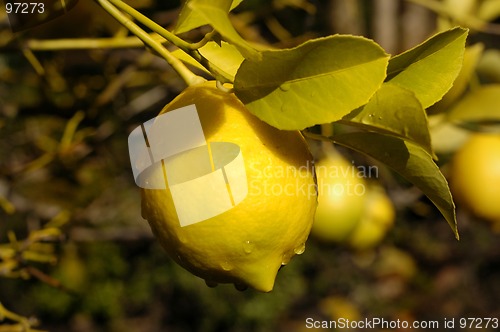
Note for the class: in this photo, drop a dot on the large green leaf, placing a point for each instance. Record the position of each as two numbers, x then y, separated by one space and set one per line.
189 19
409 160
216 14
396 111
480 105
430 68
317 82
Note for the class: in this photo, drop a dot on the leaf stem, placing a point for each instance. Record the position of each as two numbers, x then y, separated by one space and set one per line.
188 76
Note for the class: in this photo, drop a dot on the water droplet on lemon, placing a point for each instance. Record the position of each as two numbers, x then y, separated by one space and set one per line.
226 266
248 247
300 249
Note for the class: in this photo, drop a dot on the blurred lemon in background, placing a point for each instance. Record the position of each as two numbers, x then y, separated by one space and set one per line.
377 218
475 176
341 198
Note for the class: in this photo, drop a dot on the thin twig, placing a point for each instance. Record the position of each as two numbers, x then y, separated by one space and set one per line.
188 76
88 43
180 43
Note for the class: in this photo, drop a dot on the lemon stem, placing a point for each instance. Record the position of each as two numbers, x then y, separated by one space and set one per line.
188 76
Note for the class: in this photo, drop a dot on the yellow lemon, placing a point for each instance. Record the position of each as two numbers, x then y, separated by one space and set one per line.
340 201
338 307
475 176
247 244
378 217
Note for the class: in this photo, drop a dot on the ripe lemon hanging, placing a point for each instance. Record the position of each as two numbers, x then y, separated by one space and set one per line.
475 176
247 244
341 199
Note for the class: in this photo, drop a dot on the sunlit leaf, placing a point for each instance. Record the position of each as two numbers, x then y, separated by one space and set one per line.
480 105
409 160
215 13
471 58
317 82
189 19
446 137
430 68
396 111
489 10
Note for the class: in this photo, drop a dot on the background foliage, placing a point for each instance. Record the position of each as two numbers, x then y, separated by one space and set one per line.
75 252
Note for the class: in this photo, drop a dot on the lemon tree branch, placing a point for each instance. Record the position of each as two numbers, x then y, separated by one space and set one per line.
190 48
188 76
179 42
88 43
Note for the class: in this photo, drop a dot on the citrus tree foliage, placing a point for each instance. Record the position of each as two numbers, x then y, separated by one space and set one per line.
376 101
388 107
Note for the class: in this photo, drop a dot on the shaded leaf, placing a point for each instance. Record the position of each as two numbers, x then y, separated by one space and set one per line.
489 66
430 68
317 82
480 105
396 111
226 58
409 160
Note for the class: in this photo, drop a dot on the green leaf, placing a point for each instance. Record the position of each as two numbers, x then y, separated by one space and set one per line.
409 160
480 105
489 10
471 58
215 13
235 4
446 137
226 58
189 19
395 111
317 82
430 68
